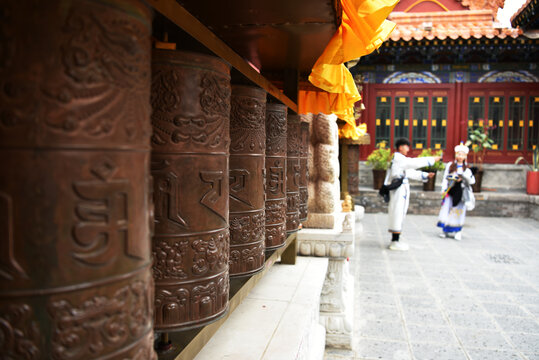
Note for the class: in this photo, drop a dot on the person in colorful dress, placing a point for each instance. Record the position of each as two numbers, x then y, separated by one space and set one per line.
457 194
401 170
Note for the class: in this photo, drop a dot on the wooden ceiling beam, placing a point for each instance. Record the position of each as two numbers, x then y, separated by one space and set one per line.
191 25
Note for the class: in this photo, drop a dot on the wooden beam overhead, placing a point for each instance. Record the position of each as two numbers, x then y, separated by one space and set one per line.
191 25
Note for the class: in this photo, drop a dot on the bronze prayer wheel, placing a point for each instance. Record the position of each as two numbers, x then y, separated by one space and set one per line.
275 175
353 168
247 195
191 107
293 173
75 206
304 170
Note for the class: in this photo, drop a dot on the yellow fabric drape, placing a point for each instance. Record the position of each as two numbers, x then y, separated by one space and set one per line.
363 29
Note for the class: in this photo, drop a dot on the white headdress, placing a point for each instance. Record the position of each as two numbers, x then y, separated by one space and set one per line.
462 148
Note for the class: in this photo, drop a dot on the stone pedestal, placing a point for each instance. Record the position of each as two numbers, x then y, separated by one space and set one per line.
336 301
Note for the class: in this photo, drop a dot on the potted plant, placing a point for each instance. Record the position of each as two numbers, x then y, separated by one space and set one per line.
438 166
532 176
479 141
379 159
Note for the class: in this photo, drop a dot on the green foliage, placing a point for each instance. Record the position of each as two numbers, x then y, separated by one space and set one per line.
535 160
479 142
438 165
380 158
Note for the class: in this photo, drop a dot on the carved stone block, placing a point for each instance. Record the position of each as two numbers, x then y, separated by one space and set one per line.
323 189
275 175
336 306
75 206
247 180
191 106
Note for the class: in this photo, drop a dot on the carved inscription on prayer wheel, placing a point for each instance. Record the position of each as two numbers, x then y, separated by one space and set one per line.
247 195
191 106
353 168
304 170
275 175
293 172
75 209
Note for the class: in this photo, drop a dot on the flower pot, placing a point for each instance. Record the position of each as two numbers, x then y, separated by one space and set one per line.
478 178
378 177
430 184
532 182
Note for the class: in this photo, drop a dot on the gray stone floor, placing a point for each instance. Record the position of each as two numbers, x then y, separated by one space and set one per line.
446 300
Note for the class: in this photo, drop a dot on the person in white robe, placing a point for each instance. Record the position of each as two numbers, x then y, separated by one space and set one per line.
404 168
457 174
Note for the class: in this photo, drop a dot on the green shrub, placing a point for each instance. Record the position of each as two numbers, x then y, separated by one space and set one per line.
438 165
380 158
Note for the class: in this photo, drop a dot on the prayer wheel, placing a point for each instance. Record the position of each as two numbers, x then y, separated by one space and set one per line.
304 170
247 195
191 107
293 172
275 175
75 206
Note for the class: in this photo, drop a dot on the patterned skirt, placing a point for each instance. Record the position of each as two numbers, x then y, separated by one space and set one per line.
451 218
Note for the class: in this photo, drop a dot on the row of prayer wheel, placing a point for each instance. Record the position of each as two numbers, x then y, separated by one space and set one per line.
119 162
223 192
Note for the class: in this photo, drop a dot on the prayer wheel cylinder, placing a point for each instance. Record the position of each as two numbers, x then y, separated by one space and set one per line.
293 173
304 171
247 195
75 205
275 175
190 141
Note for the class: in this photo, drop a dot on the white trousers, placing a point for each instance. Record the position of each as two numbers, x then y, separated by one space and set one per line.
399 200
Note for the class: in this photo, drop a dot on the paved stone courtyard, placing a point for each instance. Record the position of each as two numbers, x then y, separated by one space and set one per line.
446 300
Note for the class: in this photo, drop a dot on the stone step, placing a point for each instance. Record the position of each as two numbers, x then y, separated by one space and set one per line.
279 319
495 204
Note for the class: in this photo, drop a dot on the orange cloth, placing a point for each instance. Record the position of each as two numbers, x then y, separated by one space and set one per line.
363 29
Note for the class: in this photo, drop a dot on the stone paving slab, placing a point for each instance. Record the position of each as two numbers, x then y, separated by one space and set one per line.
475 299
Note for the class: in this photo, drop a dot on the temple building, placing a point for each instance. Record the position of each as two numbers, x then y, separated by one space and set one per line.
447 68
